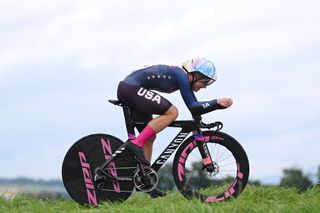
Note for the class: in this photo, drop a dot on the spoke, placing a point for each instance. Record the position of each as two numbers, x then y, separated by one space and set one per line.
195 155
189 162
222 175
222 154
227 164
211 145
217 154
215 149
225 174
227 170
229 156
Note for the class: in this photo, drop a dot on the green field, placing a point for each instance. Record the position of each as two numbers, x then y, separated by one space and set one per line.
253 199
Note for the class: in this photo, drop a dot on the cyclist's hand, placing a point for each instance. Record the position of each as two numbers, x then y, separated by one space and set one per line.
226 102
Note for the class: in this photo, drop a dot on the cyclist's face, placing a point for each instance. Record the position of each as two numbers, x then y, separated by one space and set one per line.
199 84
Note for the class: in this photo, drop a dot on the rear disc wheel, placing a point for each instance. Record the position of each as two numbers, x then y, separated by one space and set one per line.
79 165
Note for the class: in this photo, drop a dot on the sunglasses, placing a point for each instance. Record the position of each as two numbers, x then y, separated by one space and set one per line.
206 81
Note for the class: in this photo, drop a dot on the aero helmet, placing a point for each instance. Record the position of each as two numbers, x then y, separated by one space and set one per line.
203 66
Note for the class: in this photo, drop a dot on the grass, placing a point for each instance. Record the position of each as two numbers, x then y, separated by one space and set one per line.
253 199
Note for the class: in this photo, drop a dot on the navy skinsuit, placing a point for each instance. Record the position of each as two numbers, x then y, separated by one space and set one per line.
167 79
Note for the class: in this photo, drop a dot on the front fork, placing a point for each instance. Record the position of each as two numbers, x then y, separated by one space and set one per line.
207 161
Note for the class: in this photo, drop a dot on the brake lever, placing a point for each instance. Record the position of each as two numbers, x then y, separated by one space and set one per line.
217 126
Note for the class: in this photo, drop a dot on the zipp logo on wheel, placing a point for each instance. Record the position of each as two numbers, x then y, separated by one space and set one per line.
87 176
107 150
149 95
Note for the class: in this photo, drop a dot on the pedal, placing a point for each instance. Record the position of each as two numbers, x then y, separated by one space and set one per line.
146 180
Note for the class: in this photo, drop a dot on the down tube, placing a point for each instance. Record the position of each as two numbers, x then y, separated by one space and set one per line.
170 149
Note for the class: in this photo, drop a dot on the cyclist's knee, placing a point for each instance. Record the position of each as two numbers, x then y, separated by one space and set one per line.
173 112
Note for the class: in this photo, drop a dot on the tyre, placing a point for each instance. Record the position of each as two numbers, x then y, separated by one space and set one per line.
231 168
79 165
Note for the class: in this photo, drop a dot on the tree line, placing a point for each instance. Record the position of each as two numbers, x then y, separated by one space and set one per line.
30 181
292 177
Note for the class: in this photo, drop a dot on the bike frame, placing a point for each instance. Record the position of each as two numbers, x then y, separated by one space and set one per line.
186 126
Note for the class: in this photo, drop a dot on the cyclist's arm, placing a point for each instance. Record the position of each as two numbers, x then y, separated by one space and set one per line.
197 107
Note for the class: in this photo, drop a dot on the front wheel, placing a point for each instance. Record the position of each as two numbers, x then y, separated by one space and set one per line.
230 162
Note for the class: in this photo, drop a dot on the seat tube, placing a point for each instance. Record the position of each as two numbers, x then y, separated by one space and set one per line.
129 123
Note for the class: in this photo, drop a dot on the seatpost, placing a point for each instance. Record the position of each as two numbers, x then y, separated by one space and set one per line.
129 122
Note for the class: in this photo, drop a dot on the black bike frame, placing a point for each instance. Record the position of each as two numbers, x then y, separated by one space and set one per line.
186 126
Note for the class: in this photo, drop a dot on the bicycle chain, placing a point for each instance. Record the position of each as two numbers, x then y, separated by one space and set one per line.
125 191
112 190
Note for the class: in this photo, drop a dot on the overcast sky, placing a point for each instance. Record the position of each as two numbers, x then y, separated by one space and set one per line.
61 60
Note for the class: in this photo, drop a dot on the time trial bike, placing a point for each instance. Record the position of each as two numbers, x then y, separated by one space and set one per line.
99 168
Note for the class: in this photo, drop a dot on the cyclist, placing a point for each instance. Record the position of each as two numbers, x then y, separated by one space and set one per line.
137 90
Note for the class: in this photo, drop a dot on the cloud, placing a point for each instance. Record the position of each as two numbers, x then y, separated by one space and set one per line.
281 151
61 60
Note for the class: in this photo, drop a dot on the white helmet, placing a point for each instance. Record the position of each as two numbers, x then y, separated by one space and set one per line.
202 66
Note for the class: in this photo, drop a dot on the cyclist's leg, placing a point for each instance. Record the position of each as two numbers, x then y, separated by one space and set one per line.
148 147
144 118
138 116
158 124
142 109
162 121
148 102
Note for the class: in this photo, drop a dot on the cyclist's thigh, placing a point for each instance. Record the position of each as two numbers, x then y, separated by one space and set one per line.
140 117
143 100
